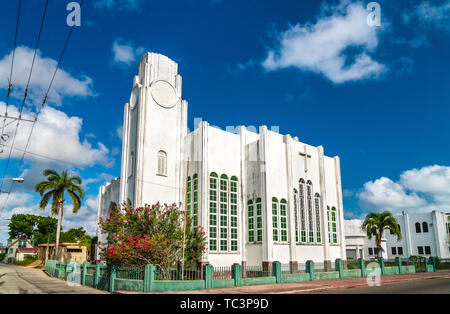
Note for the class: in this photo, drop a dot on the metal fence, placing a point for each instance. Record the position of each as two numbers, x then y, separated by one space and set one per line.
178 274
442 264
131 272
257 271
222 272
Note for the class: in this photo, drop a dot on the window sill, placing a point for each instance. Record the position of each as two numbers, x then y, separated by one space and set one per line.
161 175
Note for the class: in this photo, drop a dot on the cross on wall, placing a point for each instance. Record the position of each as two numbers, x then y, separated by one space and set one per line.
305 156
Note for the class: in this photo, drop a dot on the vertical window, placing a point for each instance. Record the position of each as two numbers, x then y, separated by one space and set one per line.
317 209
302 210
189 197
234 213
195 200
258 220
283 220
162 163
370 251
425 227
251 221
333 225
400 250
329 223
427 250
418 227
223 213
420 250
275 219
310 211
296 215
394 250
213 212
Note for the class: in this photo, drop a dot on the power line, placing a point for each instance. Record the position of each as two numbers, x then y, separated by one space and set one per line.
26 91
12 65
41 107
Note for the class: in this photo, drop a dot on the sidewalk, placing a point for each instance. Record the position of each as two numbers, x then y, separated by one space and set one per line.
306 286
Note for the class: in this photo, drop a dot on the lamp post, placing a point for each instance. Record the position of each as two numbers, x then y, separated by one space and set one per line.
18 180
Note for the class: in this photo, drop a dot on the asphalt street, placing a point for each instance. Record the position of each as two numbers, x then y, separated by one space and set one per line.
22 280
426 286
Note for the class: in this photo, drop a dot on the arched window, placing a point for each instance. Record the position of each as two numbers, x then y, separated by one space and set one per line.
213 211
424 227
189 196
251 221
162 163
418 228
302 211
329 223
310 211
334 224
258 220
223 214
234 213
296 214
195 200
283 220
275 219
317 210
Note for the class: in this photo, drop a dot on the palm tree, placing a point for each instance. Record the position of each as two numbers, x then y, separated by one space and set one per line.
54 188
376 223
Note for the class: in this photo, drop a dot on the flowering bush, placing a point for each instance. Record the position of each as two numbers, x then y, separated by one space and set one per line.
151 235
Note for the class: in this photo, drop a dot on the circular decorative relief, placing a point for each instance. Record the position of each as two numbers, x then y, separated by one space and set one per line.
164 94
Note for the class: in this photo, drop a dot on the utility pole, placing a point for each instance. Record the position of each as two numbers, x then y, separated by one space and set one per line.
185 219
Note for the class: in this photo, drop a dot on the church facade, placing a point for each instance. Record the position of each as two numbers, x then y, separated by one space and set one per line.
260 197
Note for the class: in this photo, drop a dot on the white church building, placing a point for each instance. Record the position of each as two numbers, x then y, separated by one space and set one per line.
260 197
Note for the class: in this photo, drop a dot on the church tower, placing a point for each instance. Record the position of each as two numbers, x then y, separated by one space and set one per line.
154 127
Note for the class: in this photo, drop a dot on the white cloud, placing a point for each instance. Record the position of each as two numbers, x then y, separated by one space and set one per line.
418 190
56 136
125 53
119 131
429 15
64 84
432 179
323 47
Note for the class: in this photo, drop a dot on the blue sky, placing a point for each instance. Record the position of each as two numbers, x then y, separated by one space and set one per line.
376 96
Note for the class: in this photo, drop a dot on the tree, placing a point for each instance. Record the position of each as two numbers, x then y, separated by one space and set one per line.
376 223
54 188
151 235
36 228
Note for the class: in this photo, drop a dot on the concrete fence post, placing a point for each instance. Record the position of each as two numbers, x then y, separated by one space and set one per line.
236 272
62 268
398 263
362 267
149 277
276 271
83 273
339 266
112 278
432 262
310 269
208 272
97 275
381 263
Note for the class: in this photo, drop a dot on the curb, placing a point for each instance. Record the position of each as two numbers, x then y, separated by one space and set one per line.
351 286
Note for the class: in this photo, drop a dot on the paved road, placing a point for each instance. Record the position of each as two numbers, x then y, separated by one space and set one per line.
22 280
426 286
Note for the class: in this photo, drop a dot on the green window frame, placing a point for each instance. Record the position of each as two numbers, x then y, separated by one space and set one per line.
283 221
251 221
195 200
213 212
302 210
318 220
275 219
334 224
258 220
